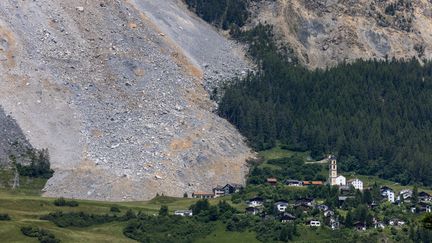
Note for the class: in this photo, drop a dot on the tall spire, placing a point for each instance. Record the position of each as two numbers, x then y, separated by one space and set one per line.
332 170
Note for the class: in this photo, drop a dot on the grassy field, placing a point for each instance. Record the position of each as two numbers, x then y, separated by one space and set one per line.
220 235
25 206
278 153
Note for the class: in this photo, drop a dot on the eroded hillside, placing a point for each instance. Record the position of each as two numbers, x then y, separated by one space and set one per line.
326 32
116 90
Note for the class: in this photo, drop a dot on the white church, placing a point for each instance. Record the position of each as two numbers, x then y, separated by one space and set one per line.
340 180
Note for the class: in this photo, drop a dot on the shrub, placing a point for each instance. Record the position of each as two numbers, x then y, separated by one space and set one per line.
4 217
115 209
43 235
61 202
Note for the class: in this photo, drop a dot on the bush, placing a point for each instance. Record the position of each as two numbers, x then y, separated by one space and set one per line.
43 235
82 219
166 229
61 202
4 217
115 209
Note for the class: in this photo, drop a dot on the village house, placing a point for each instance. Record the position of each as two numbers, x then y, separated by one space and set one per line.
255 202
328 213
202 195
272 181
356 183
308 202
424 207
322 207
232 188
287 218
360 226
424 196
342 199
313 183
281 205
293 183
252 210
218 191
388 193
334 223
314 223
183 213
396 222
406 194
378 224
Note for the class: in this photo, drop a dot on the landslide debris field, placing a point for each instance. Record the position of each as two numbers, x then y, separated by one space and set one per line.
118 93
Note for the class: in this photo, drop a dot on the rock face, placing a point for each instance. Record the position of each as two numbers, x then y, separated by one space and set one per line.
326 32
116 90
12 141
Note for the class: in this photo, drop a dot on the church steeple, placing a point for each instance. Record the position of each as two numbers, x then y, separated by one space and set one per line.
332 170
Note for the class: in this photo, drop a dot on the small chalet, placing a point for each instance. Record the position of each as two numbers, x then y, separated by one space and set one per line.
202 195
334 223
378 224
360 226
313 183
293 183
306 202
232 188
406 194
342 199
356 183
252 210
183 213
424 197
218 191
328 213
396 222
425 207
322 208
287 218
255 202
281 205
314 223
384 190
272 181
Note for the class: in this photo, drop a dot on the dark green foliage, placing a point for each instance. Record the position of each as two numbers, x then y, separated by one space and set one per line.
61 202
290 168
39 166
375 115
115 209
427 221
415 196
43 235
82 219
163 211
166 229
239 223
224 14
4 217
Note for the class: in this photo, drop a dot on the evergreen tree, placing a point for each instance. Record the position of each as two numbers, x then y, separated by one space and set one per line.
163 211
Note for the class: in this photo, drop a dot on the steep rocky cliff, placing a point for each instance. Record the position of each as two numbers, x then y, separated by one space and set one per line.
116 90
326 32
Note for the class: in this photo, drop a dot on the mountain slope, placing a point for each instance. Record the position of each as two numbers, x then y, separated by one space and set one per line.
326 32
116 91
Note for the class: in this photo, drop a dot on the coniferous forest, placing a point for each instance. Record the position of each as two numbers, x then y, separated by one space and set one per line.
375 115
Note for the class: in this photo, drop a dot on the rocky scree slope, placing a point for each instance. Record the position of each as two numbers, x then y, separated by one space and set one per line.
326 32
116 90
